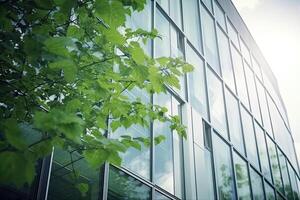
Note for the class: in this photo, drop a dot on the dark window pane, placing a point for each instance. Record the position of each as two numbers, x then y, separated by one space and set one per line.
242 179
249 135
257 185
234 122
216 103
124 187
210 42
197 89
223 169
192 22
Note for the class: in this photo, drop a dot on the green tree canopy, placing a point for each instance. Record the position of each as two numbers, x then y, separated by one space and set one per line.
65 65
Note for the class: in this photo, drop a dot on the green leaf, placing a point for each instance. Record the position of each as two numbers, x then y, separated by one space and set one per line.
13 134
137 53
68 66
83 188
96 157
187 68
59 45
159 139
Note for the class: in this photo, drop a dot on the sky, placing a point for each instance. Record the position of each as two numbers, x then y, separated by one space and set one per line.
275 26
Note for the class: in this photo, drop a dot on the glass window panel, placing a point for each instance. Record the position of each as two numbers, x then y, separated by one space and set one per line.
226 65
233 34
162 46
197 128
234 122
175 12
242 179
223 169
249 135
210 43
197 89
285 175
160 196
245 51
204 177
270 193
256 68
216 103
240 76
122 186
208 4
164 4
264 106
192 27
252 93
219 14
274 163
257 185
293 182
63 180
164 174
263 153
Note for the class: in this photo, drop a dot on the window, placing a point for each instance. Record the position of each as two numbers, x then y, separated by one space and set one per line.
175 12
274 163
197 128
257 185
264 107
159 196
210 43
242 179
64 179
162 46
263 152
233 34
216 103
285 175
208 4
252 93
225 59
123 186
293 179
219 14
256 68
240 76
204 177
223 169
197 89
249 135
168 153
270 193
164 4
192 22
245 52
234 122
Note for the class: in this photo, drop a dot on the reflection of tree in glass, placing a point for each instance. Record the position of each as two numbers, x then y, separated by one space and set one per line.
225 183
242 181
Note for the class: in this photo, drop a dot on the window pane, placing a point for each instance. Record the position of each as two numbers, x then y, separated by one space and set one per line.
63 180
159 196
274 163
264 107
225 59
192 22
242 179
252 93
233 34
208 4
197 90
164 4
210 43
270 194
164 174
240 76
223 169
175 12
197 128
256 68
234 122
162 46
285 175
245 52
219 14
249 137
293 182
257 185
122 186
216 103
204 178
263 153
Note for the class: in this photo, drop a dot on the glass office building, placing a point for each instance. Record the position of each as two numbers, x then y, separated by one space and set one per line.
239 144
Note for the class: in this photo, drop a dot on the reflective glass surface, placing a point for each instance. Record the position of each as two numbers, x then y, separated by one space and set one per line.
219 14
162 45
270 193
257 185
233 34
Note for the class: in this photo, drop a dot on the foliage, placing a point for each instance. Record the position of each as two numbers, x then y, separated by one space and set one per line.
65 65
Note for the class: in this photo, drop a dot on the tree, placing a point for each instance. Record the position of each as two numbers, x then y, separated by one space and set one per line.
65 65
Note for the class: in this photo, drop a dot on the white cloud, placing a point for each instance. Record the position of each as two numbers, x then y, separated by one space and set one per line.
246 4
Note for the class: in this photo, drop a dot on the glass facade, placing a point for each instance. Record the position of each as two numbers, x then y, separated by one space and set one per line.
239 144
